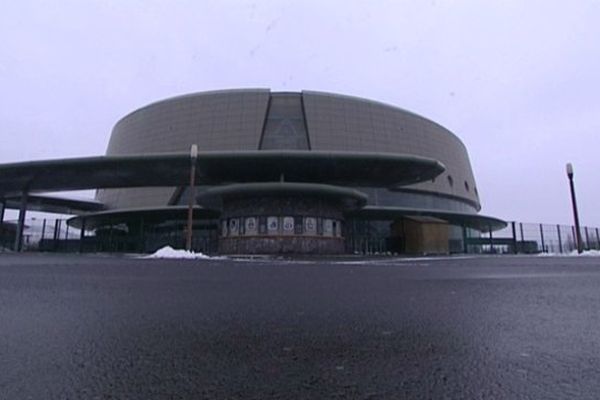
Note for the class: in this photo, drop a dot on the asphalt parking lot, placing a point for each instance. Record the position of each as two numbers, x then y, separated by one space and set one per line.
466 327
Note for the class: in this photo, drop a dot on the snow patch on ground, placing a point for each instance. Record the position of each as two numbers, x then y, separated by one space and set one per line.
169 252
587 253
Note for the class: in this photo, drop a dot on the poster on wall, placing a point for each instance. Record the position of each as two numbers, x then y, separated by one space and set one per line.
272 225
327 227
234 227
310 225
288 225
251 226
224 228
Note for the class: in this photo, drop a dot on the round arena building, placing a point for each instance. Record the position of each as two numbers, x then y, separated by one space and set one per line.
275 173
438 198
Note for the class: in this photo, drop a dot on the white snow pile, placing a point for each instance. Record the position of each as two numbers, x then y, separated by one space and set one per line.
586 253
169 252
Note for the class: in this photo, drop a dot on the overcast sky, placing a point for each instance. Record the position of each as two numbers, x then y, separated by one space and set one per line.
517 81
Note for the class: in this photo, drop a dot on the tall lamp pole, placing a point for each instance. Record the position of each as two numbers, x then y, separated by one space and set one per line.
192 197
574 202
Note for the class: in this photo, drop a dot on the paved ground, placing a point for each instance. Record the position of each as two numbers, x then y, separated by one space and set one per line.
465 328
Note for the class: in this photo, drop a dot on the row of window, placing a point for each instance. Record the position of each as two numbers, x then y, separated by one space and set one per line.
451 183
281 225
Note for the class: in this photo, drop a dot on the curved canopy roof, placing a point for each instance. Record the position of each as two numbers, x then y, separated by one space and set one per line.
52 204
148 214
479 222
350 198
172 169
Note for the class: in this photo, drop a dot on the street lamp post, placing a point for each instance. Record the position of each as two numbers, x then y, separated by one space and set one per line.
575 214
192 197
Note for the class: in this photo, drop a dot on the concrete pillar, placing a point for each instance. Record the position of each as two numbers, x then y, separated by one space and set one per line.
21 222
464 236
542 236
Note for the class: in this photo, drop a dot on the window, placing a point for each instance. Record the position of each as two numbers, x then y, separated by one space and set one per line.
467 186
450 181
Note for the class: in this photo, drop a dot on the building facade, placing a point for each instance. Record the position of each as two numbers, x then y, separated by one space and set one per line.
342 189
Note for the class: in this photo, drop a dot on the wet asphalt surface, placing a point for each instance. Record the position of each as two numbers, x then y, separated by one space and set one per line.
466 328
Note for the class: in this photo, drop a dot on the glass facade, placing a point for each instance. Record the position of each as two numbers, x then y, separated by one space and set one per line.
284 126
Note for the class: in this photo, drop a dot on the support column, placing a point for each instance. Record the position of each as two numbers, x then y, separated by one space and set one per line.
2 208
542 236
464 235
43 234
56 236
514 237
491 240
21 224
192 198
142 244
521 229
82 235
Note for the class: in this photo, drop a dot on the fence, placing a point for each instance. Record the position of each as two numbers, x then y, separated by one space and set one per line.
56 235
528 238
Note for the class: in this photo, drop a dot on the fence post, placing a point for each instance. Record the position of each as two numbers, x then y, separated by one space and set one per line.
43 230
587 239
542 236
560 249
